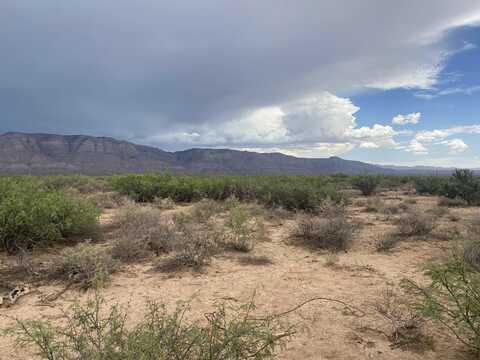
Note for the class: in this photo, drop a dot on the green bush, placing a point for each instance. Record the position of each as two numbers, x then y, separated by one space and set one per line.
32 214
463 185
453 299
289 192
431 185
367 184
226 334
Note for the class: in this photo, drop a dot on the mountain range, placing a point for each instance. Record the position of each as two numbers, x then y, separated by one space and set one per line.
46 154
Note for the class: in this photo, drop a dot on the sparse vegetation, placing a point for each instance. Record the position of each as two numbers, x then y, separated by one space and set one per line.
227 334
386 242
452 299
415 223
85 264
332 233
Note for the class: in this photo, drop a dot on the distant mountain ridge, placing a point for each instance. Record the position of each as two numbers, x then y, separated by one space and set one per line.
45 154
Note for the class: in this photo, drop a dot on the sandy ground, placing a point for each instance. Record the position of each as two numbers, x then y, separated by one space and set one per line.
324 329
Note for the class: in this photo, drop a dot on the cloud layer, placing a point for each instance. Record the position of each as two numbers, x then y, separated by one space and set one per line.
244 74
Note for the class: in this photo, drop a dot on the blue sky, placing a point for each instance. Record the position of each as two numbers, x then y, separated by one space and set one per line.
306 77
459 105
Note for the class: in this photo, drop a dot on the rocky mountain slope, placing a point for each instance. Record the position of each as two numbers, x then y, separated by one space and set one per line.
41 154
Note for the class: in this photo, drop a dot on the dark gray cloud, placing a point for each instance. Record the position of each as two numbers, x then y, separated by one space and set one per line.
136 69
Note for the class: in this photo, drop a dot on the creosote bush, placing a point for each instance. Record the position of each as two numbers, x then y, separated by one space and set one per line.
31 214
91 332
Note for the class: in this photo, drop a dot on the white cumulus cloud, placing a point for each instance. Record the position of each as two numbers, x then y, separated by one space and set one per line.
412 118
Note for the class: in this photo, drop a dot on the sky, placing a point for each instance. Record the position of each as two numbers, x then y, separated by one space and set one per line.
388 82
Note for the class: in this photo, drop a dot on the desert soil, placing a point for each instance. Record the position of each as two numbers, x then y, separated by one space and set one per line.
325 330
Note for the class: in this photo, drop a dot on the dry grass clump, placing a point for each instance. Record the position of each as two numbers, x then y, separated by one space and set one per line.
331 259
406 327
415 223
255 260
205 209
85 264
333 233
438 211
193 248
107 200
456 202
163 203
386 242
241 234
471 254
140 231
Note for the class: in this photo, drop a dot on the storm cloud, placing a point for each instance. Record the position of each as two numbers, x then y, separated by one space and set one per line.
209 73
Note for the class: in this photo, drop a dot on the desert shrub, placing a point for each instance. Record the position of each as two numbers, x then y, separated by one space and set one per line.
386 242
194 246
374 205
452 298
83 184
290 192
405 324
464 185
471 253
242 234
33 215
443 201
84 264
141 229
391 209
107 200
255 260
438 211
205 209
163 203
93 332
432 185
367 184
454 217
332 233
331 259
415 223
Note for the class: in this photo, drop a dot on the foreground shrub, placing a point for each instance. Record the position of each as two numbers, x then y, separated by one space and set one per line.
453 299
367 184
227 334
84 264
406 325
32 215
333 233
415 223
